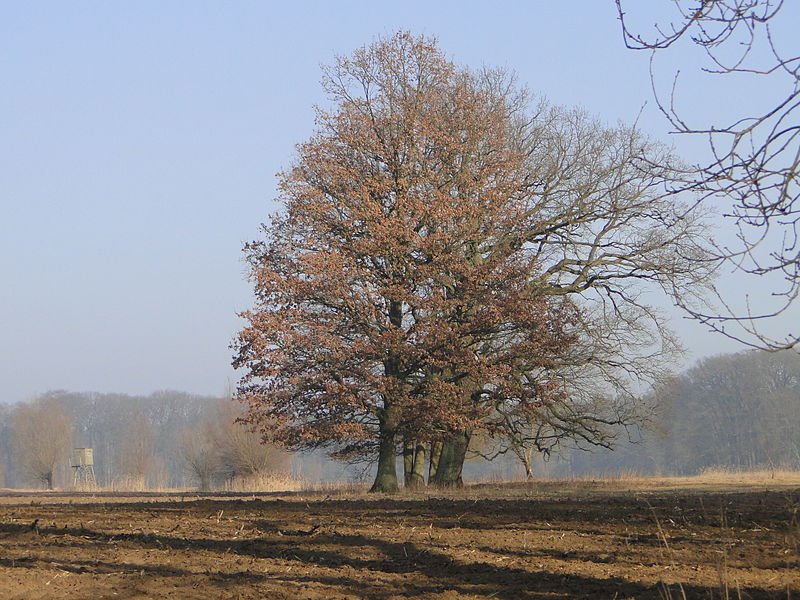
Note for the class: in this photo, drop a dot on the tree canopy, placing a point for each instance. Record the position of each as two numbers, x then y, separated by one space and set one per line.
454 256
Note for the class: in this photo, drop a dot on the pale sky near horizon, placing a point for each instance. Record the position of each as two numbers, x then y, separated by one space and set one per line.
139 144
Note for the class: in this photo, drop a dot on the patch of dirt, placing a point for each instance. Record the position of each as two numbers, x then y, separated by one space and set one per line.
523 541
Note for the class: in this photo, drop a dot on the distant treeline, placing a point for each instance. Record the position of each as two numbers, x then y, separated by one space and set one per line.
138 442
735 411
738 411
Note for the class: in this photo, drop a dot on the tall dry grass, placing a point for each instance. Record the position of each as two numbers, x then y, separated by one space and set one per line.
265 482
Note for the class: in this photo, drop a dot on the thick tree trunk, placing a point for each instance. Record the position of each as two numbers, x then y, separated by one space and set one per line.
451 461
436 453
389 418
414 458
386 477
48 480
417 479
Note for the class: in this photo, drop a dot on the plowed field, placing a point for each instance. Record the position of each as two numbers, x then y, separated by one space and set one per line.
520 541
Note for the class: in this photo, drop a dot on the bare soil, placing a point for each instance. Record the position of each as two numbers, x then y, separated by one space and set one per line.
514 541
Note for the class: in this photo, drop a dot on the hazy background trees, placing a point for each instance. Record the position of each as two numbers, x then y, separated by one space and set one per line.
743 410
138 442
733 411
136 458
5 443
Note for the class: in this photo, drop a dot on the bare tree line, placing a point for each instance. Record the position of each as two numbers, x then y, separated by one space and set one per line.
737 411
733 411
138 442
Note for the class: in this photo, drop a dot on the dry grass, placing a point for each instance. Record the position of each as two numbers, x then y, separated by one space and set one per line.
264 482
337 488
128 483
717 479
260 483
723 474
711 477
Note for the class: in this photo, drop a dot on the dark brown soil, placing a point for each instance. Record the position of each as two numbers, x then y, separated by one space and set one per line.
488 542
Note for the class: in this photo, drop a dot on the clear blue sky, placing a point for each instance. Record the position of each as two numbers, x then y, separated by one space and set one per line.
139 143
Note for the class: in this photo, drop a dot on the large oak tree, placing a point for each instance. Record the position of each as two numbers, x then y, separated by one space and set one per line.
454 257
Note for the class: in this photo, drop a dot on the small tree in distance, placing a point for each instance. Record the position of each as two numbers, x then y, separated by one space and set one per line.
42 438
222 448
242 452
200 455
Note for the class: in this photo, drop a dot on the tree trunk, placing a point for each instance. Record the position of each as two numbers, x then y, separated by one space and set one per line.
389 418
417 479
451 461
48 480
526 458
528 470
386 477
408 461
436 453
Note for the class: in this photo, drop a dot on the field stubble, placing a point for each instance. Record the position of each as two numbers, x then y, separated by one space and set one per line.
624 538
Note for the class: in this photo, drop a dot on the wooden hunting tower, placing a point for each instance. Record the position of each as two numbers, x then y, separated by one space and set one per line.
83 466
